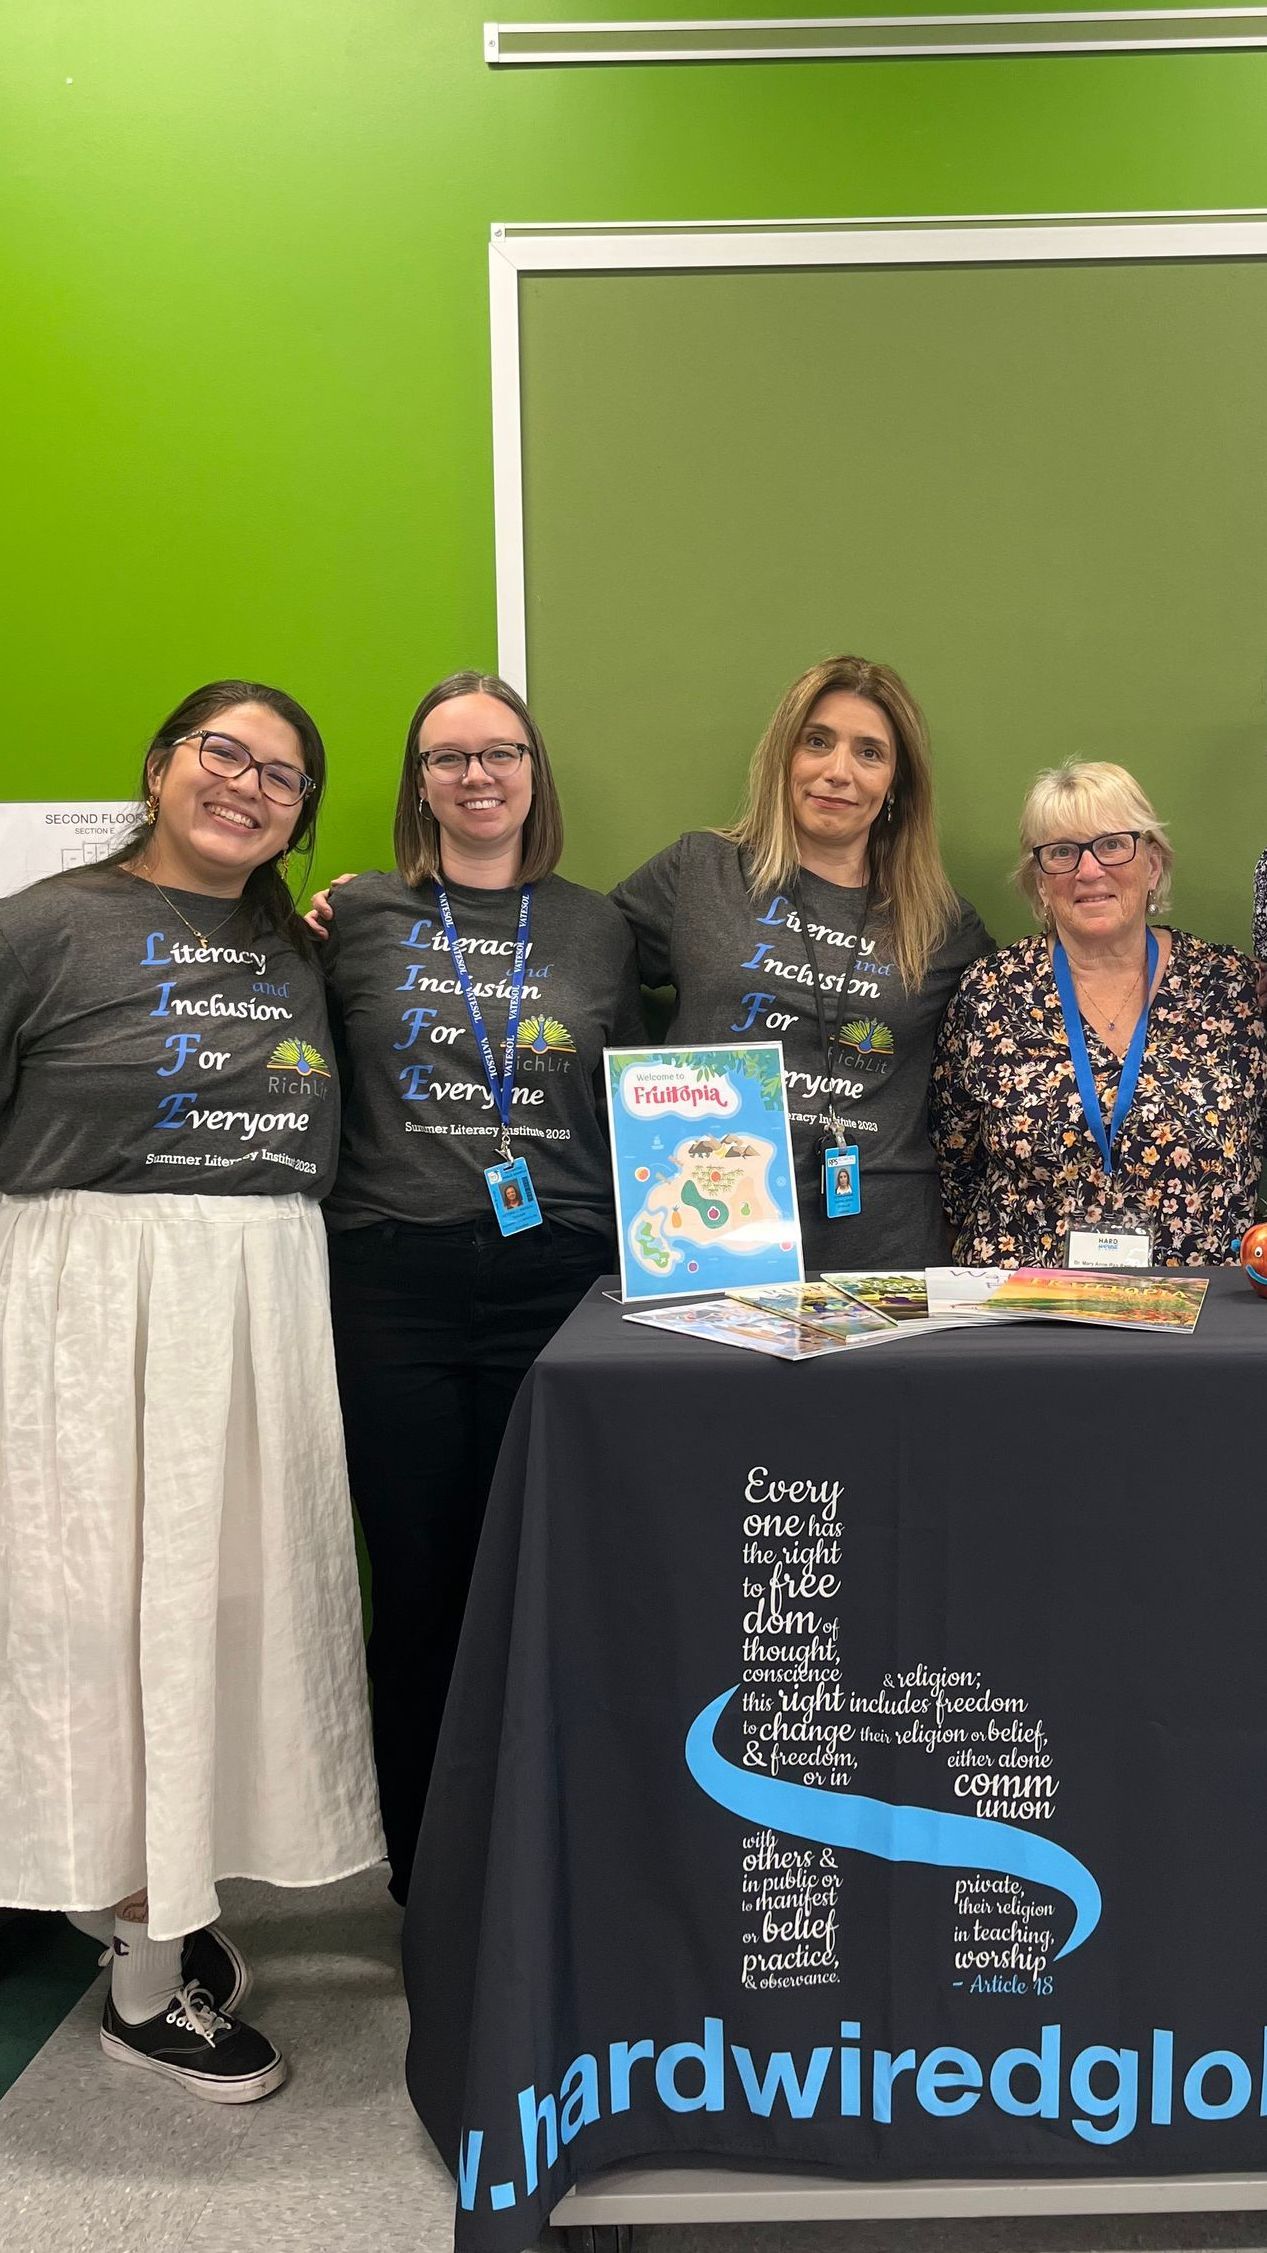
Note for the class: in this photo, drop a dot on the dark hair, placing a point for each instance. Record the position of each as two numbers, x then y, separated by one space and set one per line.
265 888
416 834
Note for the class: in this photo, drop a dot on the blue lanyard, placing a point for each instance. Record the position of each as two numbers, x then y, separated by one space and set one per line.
501 1085
1083 1073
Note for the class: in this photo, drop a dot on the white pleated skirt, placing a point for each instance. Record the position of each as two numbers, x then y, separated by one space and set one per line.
182 1680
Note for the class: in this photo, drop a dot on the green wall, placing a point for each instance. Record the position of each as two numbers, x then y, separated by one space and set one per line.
244 388
1040 491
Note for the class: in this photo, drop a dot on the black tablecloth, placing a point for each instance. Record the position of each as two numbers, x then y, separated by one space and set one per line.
961 1869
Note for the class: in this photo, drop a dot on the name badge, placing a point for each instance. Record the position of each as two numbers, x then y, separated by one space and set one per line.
514 1199
842 1186
1109 1247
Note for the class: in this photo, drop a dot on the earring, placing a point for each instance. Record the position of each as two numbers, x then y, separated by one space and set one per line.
1152 902
151 810
283 863
888 809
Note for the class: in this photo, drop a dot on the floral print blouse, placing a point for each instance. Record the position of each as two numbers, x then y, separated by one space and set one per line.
1018 1161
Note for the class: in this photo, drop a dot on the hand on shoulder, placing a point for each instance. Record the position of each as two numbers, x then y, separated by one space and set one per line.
321 914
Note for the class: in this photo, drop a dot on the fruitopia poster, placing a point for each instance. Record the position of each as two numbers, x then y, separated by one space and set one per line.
702 1160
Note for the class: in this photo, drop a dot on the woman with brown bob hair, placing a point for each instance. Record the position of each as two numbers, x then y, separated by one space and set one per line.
823 917
473 991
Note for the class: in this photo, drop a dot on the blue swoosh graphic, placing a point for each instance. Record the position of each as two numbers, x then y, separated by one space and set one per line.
895 1834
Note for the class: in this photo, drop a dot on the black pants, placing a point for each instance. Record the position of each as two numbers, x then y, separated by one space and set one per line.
434 1328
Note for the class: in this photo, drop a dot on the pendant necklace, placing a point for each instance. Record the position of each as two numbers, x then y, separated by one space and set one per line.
1120 1004
204 938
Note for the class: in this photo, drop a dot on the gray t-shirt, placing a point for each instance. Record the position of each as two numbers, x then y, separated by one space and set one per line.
131 1058
741 970
419 1123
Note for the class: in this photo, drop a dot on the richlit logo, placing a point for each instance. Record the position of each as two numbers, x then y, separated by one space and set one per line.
870 1042
299 1057
297 1068
545 1036
867 1037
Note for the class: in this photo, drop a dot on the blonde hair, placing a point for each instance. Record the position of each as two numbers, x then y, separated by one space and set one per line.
1087 798
416 833
907 874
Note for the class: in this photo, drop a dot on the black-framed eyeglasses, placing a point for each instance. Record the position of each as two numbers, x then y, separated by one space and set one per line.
224 755
454 765
1063 855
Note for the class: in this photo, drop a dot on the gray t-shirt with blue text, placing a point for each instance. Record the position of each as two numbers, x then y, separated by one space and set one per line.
419 1121
742 971
132 1058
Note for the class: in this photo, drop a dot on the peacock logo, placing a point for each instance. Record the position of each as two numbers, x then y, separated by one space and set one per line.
869 1039
300 1057
545 1036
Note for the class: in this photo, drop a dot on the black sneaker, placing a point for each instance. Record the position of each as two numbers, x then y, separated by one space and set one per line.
215 2057
208 1959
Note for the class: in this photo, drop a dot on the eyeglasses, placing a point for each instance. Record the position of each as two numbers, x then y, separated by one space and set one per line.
454 765
1113 850
223 754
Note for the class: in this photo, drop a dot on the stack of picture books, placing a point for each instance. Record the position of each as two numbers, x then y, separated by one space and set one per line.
864 1307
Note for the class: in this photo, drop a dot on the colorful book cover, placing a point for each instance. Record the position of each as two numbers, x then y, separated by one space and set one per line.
1168 1301
702 1163
902 1296
726 1322
1126 1301
958 1291
817 1306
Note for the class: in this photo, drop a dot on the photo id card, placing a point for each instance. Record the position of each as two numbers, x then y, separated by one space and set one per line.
1109 1247
842 1187
513 1197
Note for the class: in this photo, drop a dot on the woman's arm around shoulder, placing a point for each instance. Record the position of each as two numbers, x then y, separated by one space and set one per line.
954 1102
603 946
648 900
968 939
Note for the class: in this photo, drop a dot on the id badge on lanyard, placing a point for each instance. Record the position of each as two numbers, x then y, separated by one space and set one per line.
841 1163
509 1183
1131 1244
842 1189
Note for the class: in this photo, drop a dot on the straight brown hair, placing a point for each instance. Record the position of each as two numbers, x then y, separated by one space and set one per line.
416 832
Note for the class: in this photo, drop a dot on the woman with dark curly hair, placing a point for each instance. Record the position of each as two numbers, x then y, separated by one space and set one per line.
182 1680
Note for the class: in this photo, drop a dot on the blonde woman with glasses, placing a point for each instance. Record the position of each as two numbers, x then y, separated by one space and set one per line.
1108 1075
824 918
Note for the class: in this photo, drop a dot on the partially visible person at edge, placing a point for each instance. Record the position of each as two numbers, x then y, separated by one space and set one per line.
1131 1102
1260 915
824 918
439 1308
182 1680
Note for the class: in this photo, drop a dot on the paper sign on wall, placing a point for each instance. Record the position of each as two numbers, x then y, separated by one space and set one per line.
41 837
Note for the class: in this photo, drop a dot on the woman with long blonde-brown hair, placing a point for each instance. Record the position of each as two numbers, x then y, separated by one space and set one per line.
823 917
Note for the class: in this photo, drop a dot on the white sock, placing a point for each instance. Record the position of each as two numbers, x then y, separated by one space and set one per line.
145 1974
97 1923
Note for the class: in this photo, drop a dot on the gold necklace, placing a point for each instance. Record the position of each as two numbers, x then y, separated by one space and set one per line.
204 938
1118 1006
